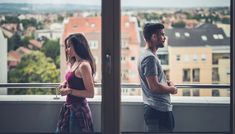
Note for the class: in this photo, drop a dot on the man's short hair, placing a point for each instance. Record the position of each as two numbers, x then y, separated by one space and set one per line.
150 29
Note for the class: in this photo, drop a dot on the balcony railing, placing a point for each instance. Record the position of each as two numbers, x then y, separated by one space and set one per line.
192 114
98 85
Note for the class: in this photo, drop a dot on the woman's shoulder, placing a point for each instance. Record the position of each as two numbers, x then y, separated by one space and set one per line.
84 65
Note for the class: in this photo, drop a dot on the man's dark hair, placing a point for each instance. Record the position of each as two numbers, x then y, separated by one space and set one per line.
151 28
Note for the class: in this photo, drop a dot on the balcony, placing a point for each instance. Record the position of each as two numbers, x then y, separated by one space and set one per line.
39 113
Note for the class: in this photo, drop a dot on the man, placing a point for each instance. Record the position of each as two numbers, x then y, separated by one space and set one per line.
156 88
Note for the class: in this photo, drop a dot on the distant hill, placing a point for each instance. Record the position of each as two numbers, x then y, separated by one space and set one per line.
43 8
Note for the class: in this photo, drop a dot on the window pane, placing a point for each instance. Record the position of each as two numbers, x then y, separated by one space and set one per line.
32 48
32 37
196 52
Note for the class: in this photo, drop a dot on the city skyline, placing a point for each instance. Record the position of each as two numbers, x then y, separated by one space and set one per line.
133 3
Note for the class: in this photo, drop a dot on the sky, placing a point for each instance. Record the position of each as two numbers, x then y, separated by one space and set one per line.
141 3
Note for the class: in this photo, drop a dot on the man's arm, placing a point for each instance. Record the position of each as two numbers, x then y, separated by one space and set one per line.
155 86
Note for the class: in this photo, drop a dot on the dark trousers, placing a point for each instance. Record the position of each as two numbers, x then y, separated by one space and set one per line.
158 121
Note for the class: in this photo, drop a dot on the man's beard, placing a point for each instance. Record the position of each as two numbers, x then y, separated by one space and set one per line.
160 45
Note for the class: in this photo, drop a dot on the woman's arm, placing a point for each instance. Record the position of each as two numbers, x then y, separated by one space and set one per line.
86 73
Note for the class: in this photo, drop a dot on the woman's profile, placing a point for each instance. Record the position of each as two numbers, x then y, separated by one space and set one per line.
75 114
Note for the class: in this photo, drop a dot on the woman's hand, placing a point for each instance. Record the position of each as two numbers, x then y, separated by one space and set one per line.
65 91
63 85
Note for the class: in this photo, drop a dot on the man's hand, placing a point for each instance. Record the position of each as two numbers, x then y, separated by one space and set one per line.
174 90
169 83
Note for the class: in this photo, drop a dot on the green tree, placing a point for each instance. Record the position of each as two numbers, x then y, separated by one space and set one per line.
11 19
14 42
179 24
60 18
51 48
29 22
57 62
26 39
34 68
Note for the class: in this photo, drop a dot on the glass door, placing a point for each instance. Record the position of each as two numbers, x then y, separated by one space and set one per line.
197 52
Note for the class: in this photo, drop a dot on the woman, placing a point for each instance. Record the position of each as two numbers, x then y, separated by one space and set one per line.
75 115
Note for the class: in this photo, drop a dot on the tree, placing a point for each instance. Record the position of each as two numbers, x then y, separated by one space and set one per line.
25 40
11 19
29 22
51 48
14 42
179 24
34 67
60 18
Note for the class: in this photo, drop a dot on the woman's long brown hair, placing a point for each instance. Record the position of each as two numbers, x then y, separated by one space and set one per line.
81 48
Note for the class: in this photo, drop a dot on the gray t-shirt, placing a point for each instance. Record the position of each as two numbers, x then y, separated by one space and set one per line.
149 65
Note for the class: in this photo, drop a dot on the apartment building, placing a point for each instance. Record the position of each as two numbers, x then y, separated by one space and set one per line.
198 56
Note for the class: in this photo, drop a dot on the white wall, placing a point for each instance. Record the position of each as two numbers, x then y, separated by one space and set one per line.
3 64
42 116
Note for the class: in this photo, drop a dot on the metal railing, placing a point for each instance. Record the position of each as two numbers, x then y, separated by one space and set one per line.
123 85
98 85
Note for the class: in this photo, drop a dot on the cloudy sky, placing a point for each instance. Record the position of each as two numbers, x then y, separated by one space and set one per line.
144 3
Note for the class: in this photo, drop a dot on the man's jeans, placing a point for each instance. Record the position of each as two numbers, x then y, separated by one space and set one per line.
158 121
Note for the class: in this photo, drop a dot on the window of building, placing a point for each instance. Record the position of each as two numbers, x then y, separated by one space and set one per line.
93 44
204 38
123 58
220 36
177 34
215 36
177 57
92 25
215 92
215 74
186 34
186 92
196 75
132 58
186 75
195 57
196 92
163 58
203 57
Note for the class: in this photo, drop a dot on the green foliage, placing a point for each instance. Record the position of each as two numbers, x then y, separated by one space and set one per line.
25 40
39 25
179 24
149 16
29 22
57 61
51 48
14 42
34 68
60 18
11 19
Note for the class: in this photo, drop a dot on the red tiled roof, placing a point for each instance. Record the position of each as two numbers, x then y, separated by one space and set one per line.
23 50
35 43
93 24
13 56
